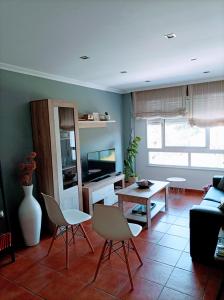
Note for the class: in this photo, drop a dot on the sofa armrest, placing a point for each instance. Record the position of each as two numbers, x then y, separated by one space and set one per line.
203 211
205 223
216 179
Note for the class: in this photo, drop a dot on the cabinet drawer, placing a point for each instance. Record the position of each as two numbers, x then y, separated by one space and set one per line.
111 199
70 198
102 193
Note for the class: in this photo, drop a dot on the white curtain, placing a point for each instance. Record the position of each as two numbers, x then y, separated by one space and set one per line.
206 107
160 103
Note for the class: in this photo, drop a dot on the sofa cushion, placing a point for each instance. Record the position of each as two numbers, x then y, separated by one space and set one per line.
221 205
210 203
214 195
220 186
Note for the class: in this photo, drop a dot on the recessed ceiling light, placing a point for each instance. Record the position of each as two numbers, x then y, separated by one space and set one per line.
84 57
170 35
147 80
193 59
206 72
123 72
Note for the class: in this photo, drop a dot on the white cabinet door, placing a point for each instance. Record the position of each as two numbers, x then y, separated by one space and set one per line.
68 198
106 193
111 199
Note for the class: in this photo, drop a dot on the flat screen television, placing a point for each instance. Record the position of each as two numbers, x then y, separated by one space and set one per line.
101 163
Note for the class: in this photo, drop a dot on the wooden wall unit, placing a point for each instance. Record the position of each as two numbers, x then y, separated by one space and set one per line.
56 141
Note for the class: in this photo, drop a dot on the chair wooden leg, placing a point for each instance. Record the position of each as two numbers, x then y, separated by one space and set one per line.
53 239
66 242
127 263
100 260
86 237
136 251
73 237
110 248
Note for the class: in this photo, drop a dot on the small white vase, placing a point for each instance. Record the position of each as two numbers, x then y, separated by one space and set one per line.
30 215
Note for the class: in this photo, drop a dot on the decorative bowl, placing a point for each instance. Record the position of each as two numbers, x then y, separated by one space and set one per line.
144 183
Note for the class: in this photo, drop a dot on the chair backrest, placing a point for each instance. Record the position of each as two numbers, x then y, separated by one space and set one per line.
53 210
109 222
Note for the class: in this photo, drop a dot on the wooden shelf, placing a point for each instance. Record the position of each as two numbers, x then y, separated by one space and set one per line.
142 218
216 256
94 124
95 185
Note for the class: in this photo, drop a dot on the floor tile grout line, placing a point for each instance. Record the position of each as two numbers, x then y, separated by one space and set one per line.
152 281
162 263
146 279
45 286
205 285
21 286
101 290
161 292
188 272
168 278
174 267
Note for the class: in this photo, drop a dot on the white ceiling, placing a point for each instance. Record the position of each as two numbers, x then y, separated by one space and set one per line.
46 38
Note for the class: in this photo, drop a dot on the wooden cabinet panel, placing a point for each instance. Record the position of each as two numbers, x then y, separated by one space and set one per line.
56 141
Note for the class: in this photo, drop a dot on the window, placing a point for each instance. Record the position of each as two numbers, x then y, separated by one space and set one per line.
209 160
176 143
181 134
154 139
217 138
168 158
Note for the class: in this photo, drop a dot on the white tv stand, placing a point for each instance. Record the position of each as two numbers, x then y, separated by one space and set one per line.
103 191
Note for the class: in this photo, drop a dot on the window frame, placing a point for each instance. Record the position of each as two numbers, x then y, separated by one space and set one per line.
180 149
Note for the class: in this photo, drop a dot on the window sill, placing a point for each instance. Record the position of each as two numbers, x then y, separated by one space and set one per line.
186 168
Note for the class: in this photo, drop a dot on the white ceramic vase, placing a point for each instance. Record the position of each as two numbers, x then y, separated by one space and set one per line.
30 215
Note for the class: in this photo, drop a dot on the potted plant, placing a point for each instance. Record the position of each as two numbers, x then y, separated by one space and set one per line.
129 162
30 213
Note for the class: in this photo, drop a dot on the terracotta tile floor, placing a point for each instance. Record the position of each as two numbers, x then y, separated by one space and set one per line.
167 273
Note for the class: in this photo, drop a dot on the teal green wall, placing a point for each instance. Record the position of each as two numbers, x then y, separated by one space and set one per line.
16 91
128 128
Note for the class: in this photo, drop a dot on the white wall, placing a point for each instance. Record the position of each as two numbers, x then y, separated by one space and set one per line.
195 179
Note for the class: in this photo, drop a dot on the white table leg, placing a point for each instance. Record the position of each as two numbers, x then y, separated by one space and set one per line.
148 214
166 194
120 203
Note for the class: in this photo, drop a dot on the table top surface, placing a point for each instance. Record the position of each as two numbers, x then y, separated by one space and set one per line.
177 179
134 191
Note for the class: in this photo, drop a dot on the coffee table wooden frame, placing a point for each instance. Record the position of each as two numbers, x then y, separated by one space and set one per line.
143 196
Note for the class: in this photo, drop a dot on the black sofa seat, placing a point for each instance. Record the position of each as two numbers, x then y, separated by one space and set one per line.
205 222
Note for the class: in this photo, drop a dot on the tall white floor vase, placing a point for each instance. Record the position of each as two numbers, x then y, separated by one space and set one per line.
30 215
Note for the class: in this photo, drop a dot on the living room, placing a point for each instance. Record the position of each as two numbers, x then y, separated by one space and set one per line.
127 69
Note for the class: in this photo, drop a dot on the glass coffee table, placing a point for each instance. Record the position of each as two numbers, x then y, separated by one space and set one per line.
219 257
137 195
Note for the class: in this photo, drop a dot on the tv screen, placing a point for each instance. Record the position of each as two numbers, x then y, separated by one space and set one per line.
101 163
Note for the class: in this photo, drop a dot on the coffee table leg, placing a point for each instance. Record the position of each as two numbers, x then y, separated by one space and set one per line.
120 203
148 214
166 193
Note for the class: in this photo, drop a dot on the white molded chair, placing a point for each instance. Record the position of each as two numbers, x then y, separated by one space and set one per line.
109 222
64 221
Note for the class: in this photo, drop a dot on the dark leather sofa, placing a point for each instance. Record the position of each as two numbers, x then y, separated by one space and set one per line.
205 222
